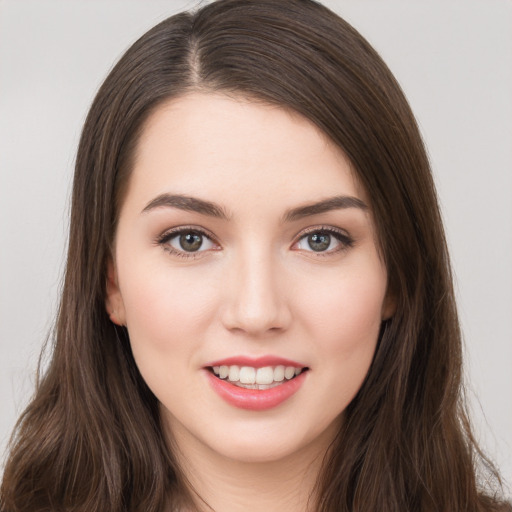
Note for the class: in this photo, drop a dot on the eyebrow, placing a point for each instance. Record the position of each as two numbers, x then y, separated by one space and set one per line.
187 203
203 207
329 204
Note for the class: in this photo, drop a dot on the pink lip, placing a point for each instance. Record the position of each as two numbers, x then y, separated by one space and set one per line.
255 399
255 362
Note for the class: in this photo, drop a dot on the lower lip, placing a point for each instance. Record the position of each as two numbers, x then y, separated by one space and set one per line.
255 399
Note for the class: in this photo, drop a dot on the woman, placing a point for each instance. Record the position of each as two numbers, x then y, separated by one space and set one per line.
257 310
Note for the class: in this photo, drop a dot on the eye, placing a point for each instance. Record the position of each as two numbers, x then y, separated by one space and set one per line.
325 240
186 242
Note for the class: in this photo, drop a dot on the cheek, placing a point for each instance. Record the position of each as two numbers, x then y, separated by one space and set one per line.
347 310
343 316
165 307
167 313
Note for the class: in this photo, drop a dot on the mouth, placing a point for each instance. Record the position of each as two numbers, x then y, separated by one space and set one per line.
256 384
249 377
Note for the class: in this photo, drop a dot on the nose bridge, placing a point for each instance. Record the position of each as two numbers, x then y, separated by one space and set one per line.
256 301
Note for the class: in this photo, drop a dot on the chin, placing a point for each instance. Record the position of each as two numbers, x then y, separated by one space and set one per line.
259 450
268 442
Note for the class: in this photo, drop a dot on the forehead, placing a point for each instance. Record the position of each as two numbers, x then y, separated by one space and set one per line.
212 144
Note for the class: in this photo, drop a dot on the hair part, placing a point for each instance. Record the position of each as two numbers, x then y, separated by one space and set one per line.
91 439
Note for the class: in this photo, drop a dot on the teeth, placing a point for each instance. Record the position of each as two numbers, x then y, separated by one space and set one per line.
256 378
265 375
279 373
289 372
247 375
234 373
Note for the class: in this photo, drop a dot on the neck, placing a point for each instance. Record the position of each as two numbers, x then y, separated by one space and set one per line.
221 484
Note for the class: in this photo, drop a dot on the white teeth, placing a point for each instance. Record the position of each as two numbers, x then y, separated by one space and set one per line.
234 373
263 377
289 372
223 372
247 375
279 373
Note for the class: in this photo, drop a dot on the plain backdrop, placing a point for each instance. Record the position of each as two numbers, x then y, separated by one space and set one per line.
454 62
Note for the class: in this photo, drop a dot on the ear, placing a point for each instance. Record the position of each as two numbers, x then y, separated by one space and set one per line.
388 306
114 301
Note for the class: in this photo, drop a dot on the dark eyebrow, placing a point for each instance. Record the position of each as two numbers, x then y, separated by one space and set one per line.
332 203
187 203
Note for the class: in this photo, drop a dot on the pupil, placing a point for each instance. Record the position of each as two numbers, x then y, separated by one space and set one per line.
191 242
319 241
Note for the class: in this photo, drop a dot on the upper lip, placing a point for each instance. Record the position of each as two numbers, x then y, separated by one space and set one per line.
255 362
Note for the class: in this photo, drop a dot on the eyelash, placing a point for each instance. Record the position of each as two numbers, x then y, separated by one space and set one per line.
163 240
346 241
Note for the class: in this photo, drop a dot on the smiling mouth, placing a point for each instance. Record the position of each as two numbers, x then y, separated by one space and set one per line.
249 377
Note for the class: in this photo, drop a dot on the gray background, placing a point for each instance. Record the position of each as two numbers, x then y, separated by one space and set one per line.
454 61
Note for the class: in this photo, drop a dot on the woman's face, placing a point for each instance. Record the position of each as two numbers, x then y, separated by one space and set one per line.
247 273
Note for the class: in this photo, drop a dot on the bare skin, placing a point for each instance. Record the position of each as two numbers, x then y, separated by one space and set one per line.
244 234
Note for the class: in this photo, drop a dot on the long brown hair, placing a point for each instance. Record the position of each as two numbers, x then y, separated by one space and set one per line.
91 439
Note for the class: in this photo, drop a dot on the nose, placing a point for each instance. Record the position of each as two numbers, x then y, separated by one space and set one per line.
256 300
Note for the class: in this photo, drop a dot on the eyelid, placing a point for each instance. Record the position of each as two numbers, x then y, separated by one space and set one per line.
341 235
163 239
